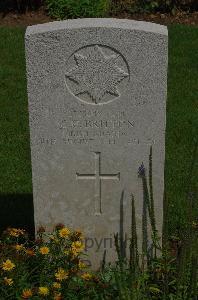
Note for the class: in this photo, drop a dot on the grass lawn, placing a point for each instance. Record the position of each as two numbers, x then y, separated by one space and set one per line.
16 206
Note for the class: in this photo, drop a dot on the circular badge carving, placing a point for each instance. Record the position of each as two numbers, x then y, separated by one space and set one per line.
96 74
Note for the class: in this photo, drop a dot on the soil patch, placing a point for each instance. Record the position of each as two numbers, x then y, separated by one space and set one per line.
26 19
40 16
164 19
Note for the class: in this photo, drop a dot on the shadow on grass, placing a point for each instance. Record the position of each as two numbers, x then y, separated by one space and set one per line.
16 210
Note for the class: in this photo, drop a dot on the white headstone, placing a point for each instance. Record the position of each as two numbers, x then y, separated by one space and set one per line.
97 102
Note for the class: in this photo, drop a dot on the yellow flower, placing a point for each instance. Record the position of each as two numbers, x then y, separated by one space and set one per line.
43 290
56 285
27 293
18 247
44 250
64 232
81 265
61 274
74 253
8 281
8 265
15 232
86 276
77 247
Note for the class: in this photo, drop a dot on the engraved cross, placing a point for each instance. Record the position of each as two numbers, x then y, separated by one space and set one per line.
98 177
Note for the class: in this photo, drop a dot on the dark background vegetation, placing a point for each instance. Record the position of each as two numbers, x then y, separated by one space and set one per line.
121 5
19 5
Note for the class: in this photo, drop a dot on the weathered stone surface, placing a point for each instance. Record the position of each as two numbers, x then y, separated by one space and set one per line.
97 102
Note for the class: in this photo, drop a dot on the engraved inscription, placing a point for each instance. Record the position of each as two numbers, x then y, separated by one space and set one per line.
93 127
96 74
98 176
88 127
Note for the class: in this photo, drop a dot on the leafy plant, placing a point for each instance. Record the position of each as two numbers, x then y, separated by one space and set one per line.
162 273
43 268
61 9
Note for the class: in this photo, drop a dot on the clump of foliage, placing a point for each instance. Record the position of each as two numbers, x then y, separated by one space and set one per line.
52 267
167 5
48 267
162 6
161 271
62 9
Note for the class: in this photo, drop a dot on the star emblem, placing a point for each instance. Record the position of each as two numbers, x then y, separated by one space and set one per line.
96 74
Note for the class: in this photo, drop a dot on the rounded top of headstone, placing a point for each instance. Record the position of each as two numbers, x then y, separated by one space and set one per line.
97 22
